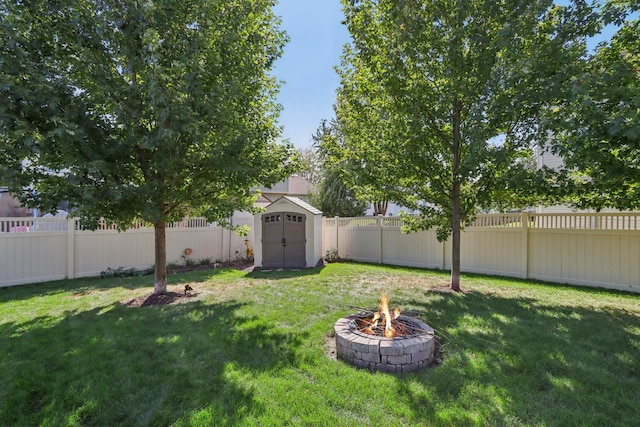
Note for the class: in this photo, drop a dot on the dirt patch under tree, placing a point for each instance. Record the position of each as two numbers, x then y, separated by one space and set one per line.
172 297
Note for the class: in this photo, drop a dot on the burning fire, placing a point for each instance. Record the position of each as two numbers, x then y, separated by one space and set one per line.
383 317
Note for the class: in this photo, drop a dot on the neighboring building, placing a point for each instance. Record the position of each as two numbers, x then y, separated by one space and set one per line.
545 157
294 186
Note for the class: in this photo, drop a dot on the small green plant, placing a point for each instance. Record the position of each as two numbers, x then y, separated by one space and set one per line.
124 272
147 271
331 255
172 265
204 261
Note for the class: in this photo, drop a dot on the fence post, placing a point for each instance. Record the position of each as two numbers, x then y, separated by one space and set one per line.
71 247
524 269
337 233
444 255
379 221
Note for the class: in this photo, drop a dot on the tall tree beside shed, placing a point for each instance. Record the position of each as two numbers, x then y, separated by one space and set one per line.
147 110
331 194
460 86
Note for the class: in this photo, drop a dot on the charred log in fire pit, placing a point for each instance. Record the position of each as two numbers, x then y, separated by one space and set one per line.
401 326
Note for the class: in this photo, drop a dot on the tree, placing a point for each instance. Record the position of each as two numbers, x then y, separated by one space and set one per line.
596 130
452 93
331 194
140 110
310 165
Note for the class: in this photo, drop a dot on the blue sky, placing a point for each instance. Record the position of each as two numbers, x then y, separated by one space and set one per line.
307 65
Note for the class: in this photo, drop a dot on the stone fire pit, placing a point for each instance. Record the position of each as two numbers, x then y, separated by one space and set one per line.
412 351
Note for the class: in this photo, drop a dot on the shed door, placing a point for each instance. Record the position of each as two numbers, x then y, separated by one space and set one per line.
283 240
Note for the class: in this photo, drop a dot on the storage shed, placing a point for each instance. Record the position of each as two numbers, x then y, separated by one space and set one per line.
288 235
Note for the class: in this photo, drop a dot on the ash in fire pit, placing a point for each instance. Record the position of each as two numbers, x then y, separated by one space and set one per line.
384 340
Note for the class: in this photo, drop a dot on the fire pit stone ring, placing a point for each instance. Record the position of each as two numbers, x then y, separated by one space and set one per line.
398 354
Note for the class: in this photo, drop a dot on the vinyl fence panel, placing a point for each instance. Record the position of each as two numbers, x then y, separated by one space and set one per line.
43 249
586 257
413 250
32 257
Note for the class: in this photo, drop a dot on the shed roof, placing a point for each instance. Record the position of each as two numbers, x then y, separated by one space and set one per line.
301 203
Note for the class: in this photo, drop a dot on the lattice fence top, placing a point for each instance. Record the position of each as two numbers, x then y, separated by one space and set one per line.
623 221
52 224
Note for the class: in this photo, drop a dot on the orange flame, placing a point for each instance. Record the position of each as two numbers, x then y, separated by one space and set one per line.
383 322
387 316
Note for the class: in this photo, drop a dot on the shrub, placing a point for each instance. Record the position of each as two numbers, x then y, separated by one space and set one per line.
125 272
331 255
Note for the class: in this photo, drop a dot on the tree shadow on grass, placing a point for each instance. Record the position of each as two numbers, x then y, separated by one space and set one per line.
89 284
519 361
286 273
116 365
73 286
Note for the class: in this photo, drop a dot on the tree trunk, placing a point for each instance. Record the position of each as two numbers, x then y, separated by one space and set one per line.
160 284
380 208
455 232
455 198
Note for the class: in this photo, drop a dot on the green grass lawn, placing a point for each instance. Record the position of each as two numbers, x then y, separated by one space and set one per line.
251 349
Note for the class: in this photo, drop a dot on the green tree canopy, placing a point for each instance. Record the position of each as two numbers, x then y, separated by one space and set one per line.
310 166
131 109
331 194
441 99
596 129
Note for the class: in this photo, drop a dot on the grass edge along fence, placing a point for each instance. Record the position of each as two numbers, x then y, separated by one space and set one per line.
585 249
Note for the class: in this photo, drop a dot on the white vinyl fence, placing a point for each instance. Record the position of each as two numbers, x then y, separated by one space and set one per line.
43 249
594 249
